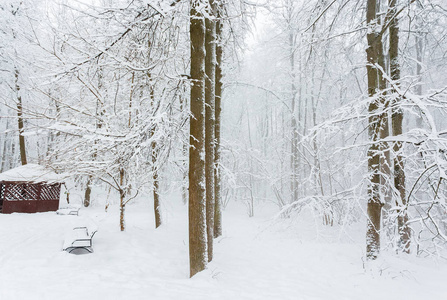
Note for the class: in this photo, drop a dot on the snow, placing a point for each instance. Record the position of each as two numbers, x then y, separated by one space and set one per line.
31 173
256 258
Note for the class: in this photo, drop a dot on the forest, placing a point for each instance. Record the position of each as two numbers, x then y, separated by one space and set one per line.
211 140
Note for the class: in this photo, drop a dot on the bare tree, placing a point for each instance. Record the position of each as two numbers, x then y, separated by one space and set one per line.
20 119
210 77
397 118
197 201
374 206
218 108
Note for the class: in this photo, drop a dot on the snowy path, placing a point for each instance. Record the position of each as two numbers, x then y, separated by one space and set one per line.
252 261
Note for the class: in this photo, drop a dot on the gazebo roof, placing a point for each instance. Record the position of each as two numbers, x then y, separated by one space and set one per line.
31 173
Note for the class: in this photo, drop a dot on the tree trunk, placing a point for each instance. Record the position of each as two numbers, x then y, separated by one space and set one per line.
218 109
197 203
185 163
3 163
122 203
14 156
99 114
374 205
5 147
419 56
156 187
156 201
154 158
20 120
210 70
88 191
397 118
294 125
385 155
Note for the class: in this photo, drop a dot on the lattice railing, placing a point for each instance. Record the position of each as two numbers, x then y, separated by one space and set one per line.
15 192
29 191
2 191
50 192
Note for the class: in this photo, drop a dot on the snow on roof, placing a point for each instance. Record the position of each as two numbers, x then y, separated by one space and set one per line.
31 173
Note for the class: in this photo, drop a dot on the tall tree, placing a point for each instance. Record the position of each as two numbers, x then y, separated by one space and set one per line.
397 118
156 187
98 124
217 109
197 202
20 119
155 179
374 205
4 150
210 77
185 146
290 11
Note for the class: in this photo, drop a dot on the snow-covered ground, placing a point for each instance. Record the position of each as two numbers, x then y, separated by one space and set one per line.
256 258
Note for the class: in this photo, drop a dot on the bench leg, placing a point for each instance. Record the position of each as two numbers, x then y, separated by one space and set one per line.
71 249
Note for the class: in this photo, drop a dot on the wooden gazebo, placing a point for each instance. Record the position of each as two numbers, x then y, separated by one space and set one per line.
28 189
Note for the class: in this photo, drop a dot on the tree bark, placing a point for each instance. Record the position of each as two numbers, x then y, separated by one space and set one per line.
197 203
419 56
5 147
156 187
210 70
20 120
218 110
157 209
88 191
385 155
154 158
397 120
122 203
294 123
14 156
374 205
99 122
185 147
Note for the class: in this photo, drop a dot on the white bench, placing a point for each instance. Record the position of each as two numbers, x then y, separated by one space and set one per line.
74 211
79 238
